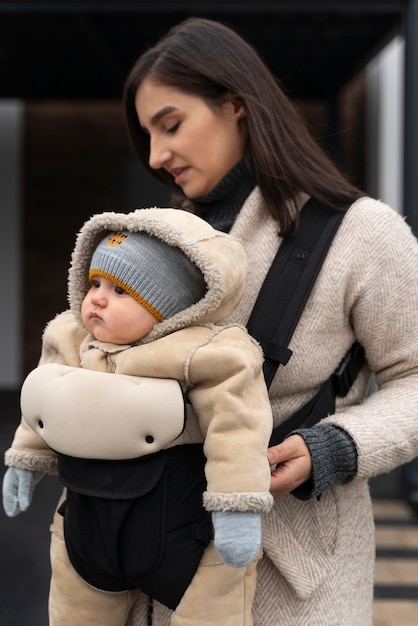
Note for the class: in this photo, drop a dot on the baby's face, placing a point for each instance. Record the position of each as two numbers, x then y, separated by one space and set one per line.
112 315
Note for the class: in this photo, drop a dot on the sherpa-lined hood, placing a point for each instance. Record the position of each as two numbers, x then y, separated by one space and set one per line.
220 257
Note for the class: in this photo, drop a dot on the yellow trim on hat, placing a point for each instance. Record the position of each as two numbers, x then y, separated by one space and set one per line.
135 295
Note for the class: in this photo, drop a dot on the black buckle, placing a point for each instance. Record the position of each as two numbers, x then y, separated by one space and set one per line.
346 373
275 352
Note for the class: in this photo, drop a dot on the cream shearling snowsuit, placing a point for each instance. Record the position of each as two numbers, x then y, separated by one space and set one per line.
220 368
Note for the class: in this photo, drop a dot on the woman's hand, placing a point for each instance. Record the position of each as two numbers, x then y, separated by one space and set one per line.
294 465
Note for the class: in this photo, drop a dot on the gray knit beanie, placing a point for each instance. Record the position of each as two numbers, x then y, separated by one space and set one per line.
159 276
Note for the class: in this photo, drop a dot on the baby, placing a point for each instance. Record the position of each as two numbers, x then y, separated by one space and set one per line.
144 487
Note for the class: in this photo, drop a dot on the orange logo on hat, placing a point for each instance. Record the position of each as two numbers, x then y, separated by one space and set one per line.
116 239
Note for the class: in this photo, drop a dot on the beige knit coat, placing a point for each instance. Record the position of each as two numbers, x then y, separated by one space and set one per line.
319 555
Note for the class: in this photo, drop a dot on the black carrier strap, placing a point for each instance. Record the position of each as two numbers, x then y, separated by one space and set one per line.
281 301
323 404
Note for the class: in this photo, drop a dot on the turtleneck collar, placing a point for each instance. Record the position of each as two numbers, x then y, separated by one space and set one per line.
221 206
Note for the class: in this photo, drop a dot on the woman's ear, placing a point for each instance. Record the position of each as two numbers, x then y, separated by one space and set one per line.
238 109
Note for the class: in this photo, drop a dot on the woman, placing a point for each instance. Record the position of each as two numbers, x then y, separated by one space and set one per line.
208 119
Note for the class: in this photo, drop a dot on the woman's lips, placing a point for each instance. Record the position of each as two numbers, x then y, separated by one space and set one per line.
180 174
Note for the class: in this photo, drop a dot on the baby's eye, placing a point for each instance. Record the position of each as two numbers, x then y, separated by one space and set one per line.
119 290
95 283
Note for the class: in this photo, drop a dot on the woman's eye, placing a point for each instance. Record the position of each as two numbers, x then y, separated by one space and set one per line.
172 129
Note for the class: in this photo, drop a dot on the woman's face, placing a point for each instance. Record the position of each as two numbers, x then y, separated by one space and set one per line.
195 143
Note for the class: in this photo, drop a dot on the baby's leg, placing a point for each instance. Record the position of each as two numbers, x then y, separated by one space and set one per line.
72 601
218 594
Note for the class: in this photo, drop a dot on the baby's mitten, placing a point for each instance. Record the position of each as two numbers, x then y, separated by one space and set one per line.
18 486
237 536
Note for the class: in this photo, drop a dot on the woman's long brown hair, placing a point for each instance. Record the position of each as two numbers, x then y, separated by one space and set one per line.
208 59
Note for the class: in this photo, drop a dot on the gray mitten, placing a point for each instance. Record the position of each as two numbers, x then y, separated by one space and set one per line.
18 486
237 536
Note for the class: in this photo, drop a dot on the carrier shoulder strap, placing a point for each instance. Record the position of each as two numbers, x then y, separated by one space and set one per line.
289 282
279 306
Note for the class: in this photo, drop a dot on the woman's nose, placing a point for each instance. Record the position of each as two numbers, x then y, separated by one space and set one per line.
159 154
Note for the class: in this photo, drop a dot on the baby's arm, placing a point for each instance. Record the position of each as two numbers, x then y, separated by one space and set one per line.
231 401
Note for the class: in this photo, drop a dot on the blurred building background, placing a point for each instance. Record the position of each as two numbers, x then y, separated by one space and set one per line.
352 69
